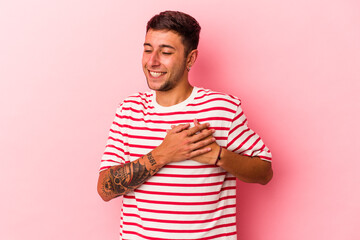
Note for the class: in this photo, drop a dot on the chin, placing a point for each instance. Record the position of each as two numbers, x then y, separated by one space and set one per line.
162 87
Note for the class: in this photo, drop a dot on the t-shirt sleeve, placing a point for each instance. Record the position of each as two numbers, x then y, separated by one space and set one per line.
244 141
114 150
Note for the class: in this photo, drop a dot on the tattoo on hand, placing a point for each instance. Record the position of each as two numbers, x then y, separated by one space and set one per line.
127 177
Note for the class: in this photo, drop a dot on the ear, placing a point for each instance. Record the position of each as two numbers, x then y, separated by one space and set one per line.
191 58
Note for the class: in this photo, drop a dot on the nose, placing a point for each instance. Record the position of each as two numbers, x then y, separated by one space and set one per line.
154 59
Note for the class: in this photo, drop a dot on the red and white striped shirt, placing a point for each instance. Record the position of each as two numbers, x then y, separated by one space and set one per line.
184 200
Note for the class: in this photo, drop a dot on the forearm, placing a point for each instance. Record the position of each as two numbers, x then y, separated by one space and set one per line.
246 169
119 180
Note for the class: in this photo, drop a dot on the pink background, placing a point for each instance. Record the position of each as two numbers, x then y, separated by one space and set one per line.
65 65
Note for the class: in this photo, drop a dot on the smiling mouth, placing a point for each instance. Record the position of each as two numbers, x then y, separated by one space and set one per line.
156 74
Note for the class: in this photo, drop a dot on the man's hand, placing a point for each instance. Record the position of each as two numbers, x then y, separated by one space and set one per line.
183 142
211 152
210 156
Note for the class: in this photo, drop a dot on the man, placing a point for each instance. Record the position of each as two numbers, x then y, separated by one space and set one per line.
174 153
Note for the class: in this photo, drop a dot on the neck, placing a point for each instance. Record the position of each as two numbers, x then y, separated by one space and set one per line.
174 96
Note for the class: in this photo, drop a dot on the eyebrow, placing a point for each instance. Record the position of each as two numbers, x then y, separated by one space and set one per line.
161 46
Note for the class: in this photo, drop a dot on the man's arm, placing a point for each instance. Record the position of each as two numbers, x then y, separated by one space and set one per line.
121 179
246 169
180 143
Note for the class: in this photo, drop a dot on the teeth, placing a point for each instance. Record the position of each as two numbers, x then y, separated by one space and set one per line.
155 74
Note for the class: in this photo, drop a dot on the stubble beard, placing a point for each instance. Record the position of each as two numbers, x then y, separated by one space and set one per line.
171 82
168 85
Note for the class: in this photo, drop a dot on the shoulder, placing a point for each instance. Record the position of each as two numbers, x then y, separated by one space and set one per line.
137 100
210 96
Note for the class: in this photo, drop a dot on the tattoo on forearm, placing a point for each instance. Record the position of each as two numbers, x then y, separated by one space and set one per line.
151 159
152 162
127 177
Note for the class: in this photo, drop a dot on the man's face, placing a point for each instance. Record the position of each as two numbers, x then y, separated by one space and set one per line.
163 61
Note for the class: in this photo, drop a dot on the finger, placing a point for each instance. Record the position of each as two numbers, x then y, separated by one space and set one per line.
168 130
202 135
199 152
196 122
180 127
202 143
198 128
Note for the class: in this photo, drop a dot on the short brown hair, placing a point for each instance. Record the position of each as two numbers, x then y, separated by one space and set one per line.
185 25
